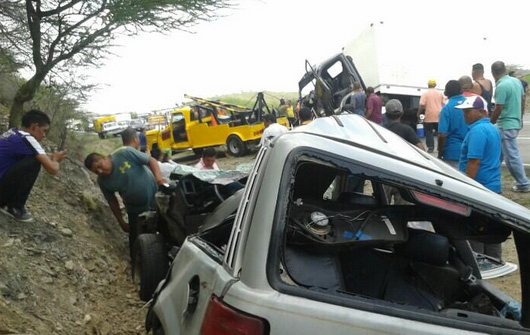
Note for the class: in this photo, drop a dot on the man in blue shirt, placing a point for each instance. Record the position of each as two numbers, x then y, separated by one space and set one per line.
452 127
481 156
21 157
358 99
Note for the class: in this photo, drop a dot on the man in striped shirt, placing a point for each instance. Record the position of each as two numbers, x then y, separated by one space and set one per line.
21 157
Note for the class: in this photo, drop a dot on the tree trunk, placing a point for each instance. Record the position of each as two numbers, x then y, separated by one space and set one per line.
64 134
24 94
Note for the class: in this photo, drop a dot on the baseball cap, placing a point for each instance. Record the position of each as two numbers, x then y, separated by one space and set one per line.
474 102
431 82
394 107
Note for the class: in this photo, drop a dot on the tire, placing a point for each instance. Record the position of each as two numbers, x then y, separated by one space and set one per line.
150 263
235 146
198 151
101 135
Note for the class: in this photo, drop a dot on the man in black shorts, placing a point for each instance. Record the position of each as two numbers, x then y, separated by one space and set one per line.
394 111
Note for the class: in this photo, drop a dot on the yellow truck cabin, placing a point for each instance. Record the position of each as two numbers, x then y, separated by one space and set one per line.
210 124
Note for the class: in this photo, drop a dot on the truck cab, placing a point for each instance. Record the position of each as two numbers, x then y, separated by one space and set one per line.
209 124
324 87
106 126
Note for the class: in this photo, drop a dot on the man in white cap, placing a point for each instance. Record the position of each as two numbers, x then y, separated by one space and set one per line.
480 157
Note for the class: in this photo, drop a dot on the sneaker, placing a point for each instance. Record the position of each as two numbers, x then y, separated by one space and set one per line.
430 151
19 214
520 190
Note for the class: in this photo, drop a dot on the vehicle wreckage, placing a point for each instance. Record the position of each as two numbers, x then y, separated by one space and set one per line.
318 244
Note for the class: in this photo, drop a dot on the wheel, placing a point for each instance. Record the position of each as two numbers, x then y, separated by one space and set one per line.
153 324
235 146
198 151
101 135
150 263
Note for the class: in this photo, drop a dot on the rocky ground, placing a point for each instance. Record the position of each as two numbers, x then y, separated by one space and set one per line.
67 272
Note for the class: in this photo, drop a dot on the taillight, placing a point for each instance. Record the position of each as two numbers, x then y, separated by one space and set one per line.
221 319
443 204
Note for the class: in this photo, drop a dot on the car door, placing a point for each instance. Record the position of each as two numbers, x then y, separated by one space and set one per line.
196 274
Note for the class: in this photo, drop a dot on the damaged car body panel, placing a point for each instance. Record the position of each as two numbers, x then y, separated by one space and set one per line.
345 228
324 87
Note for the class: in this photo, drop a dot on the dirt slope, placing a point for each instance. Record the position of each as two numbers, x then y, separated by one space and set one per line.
68 272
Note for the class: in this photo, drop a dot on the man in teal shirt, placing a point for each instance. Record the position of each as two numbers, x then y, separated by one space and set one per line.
508 115
125 171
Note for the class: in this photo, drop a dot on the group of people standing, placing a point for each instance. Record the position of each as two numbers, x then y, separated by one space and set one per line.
457 130
474 137
368 105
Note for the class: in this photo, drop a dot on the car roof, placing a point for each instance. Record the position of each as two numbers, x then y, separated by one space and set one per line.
356 130
357 135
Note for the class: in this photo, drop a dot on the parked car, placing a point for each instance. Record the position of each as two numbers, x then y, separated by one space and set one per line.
137 124
320 245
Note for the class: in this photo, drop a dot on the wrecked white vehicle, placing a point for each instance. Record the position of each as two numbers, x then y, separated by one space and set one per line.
319 245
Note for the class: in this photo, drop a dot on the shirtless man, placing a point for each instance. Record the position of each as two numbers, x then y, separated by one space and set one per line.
481 85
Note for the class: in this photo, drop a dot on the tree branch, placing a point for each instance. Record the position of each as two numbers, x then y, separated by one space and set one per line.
83 43
35 32
59 9
70 29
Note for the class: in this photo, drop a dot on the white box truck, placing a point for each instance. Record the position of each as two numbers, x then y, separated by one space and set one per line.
398 60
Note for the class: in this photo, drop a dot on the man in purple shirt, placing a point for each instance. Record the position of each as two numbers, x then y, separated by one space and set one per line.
374 105
21 157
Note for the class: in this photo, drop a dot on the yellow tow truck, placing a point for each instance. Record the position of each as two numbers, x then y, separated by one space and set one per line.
211 123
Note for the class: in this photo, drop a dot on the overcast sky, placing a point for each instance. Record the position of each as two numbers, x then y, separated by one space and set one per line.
262 44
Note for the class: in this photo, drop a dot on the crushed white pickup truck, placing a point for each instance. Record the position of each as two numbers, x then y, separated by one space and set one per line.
344 228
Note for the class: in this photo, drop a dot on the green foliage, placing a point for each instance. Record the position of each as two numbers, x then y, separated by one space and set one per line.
58 36
79 145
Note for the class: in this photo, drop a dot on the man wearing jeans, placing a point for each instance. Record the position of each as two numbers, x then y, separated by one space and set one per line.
508 115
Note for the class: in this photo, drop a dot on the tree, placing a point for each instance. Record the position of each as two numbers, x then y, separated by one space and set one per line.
56 35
